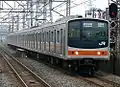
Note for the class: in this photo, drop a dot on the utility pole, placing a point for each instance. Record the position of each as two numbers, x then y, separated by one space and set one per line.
114 19
114 25
118 33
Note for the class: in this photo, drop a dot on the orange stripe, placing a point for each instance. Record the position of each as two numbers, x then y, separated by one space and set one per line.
87 53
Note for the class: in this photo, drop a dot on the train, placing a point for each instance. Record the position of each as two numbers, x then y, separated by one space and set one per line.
74 43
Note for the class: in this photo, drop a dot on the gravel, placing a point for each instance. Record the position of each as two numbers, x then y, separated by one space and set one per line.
7 78
112 77
6 82
59 79
53 76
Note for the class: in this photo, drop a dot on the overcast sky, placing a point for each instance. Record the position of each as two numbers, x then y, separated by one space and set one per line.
102 4
81 7
77 10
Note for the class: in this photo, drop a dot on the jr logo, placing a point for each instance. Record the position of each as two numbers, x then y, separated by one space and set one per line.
102 43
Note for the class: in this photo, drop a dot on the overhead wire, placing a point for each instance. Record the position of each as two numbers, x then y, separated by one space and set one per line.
76 5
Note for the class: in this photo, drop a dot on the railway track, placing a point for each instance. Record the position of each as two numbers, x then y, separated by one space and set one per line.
27 77
95 81
99 81
108 81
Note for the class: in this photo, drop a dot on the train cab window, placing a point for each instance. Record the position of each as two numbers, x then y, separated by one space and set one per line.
58 36
74 31
87 33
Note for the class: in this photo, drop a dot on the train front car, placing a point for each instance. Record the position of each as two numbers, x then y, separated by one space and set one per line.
88 42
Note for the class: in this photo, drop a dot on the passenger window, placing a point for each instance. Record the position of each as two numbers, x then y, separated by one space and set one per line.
58 36
42 34
61 35
47 37
52 36
40 37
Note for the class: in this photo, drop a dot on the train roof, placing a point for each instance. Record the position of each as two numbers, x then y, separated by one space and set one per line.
89 18
59 21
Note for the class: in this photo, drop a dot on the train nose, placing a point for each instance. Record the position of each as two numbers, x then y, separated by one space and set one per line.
88 61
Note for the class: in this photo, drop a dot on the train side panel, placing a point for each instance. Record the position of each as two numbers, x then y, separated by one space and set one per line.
49 40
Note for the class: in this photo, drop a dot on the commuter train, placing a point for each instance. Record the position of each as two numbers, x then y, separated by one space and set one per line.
73 43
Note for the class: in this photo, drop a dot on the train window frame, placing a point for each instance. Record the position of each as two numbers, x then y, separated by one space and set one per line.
58 36
45 40
36 41
61 40
61 34
33 40
47 35
40 40
52 37
42 46
49 39
94 42
54 40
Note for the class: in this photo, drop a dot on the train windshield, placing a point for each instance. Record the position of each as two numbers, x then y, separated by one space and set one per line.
88 33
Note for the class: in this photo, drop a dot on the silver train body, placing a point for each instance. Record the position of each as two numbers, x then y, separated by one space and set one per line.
52 39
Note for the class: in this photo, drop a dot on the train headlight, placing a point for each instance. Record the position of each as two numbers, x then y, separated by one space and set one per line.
98 53
76 52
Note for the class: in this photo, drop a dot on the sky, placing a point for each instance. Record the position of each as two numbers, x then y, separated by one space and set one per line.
81 7
102 4
78 10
